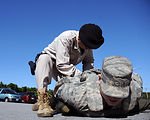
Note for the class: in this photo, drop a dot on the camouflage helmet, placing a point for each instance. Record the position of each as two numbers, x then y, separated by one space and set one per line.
116 76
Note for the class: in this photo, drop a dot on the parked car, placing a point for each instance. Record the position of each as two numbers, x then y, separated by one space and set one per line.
9 95
28 97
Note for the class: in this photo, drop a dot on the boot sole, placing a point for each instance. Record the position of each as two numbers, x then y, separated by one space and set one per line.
44 115
35 109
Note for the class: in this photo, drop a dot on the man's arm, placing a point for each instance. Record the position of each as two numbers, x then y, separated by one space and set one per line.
63 57
88 61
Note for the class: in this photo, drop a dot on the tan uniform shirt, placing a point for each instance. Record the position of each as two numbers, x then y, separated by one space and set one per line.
65 52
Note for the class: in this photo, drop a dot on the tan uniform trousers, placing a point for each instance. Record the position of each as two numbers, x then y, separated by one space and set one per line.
45 70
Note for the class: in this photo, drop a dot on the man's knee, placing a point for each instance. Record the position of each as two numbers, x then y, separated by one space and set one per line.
44 58
44 63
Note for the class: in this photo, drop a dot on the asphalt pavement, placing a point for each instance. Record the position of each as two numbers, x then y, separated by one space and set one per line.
23 111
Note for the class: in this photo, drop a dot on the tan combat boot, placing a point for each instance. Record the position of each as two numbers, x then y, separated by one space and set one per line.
45 109
35 107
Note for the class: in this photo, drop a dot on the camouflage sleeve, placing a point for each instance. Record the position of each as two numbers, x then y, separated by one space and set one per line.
138 83
136 102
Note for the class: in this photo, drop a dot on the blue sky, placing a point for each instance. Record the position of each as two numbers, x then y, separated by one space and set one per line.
28 26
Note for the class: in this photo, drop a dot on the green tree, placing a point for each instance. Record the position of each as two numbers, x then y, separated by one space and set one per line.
3 85
146 94
13 87
32 89
24 89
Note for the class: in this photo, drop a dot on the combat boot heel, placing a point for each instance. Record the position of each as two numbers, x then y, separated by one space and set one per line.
35 107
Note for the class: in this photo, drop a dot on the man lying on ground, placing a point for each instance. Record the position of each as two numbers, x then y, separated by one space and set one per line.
113 91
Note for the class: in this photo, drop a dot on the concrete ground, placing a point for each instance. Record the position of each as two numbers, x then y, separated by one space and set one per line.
22 111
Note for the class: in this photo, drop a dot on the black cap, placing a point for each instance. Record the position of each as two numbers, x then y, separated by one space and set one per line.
91 36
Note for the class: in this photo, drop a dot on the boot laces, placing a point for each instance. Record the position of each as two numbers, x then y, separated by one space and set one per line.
46 98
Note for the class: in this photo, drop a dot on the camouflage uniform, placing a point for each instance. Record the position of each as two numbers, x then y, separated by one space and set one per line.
83 94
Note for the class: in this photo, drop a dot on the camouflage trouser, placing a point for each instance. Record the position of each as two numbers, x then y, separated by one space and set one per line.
58 104
144 104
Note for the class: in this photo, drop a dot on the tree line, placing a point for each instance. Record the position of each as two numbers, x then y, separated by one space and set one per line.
21 89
